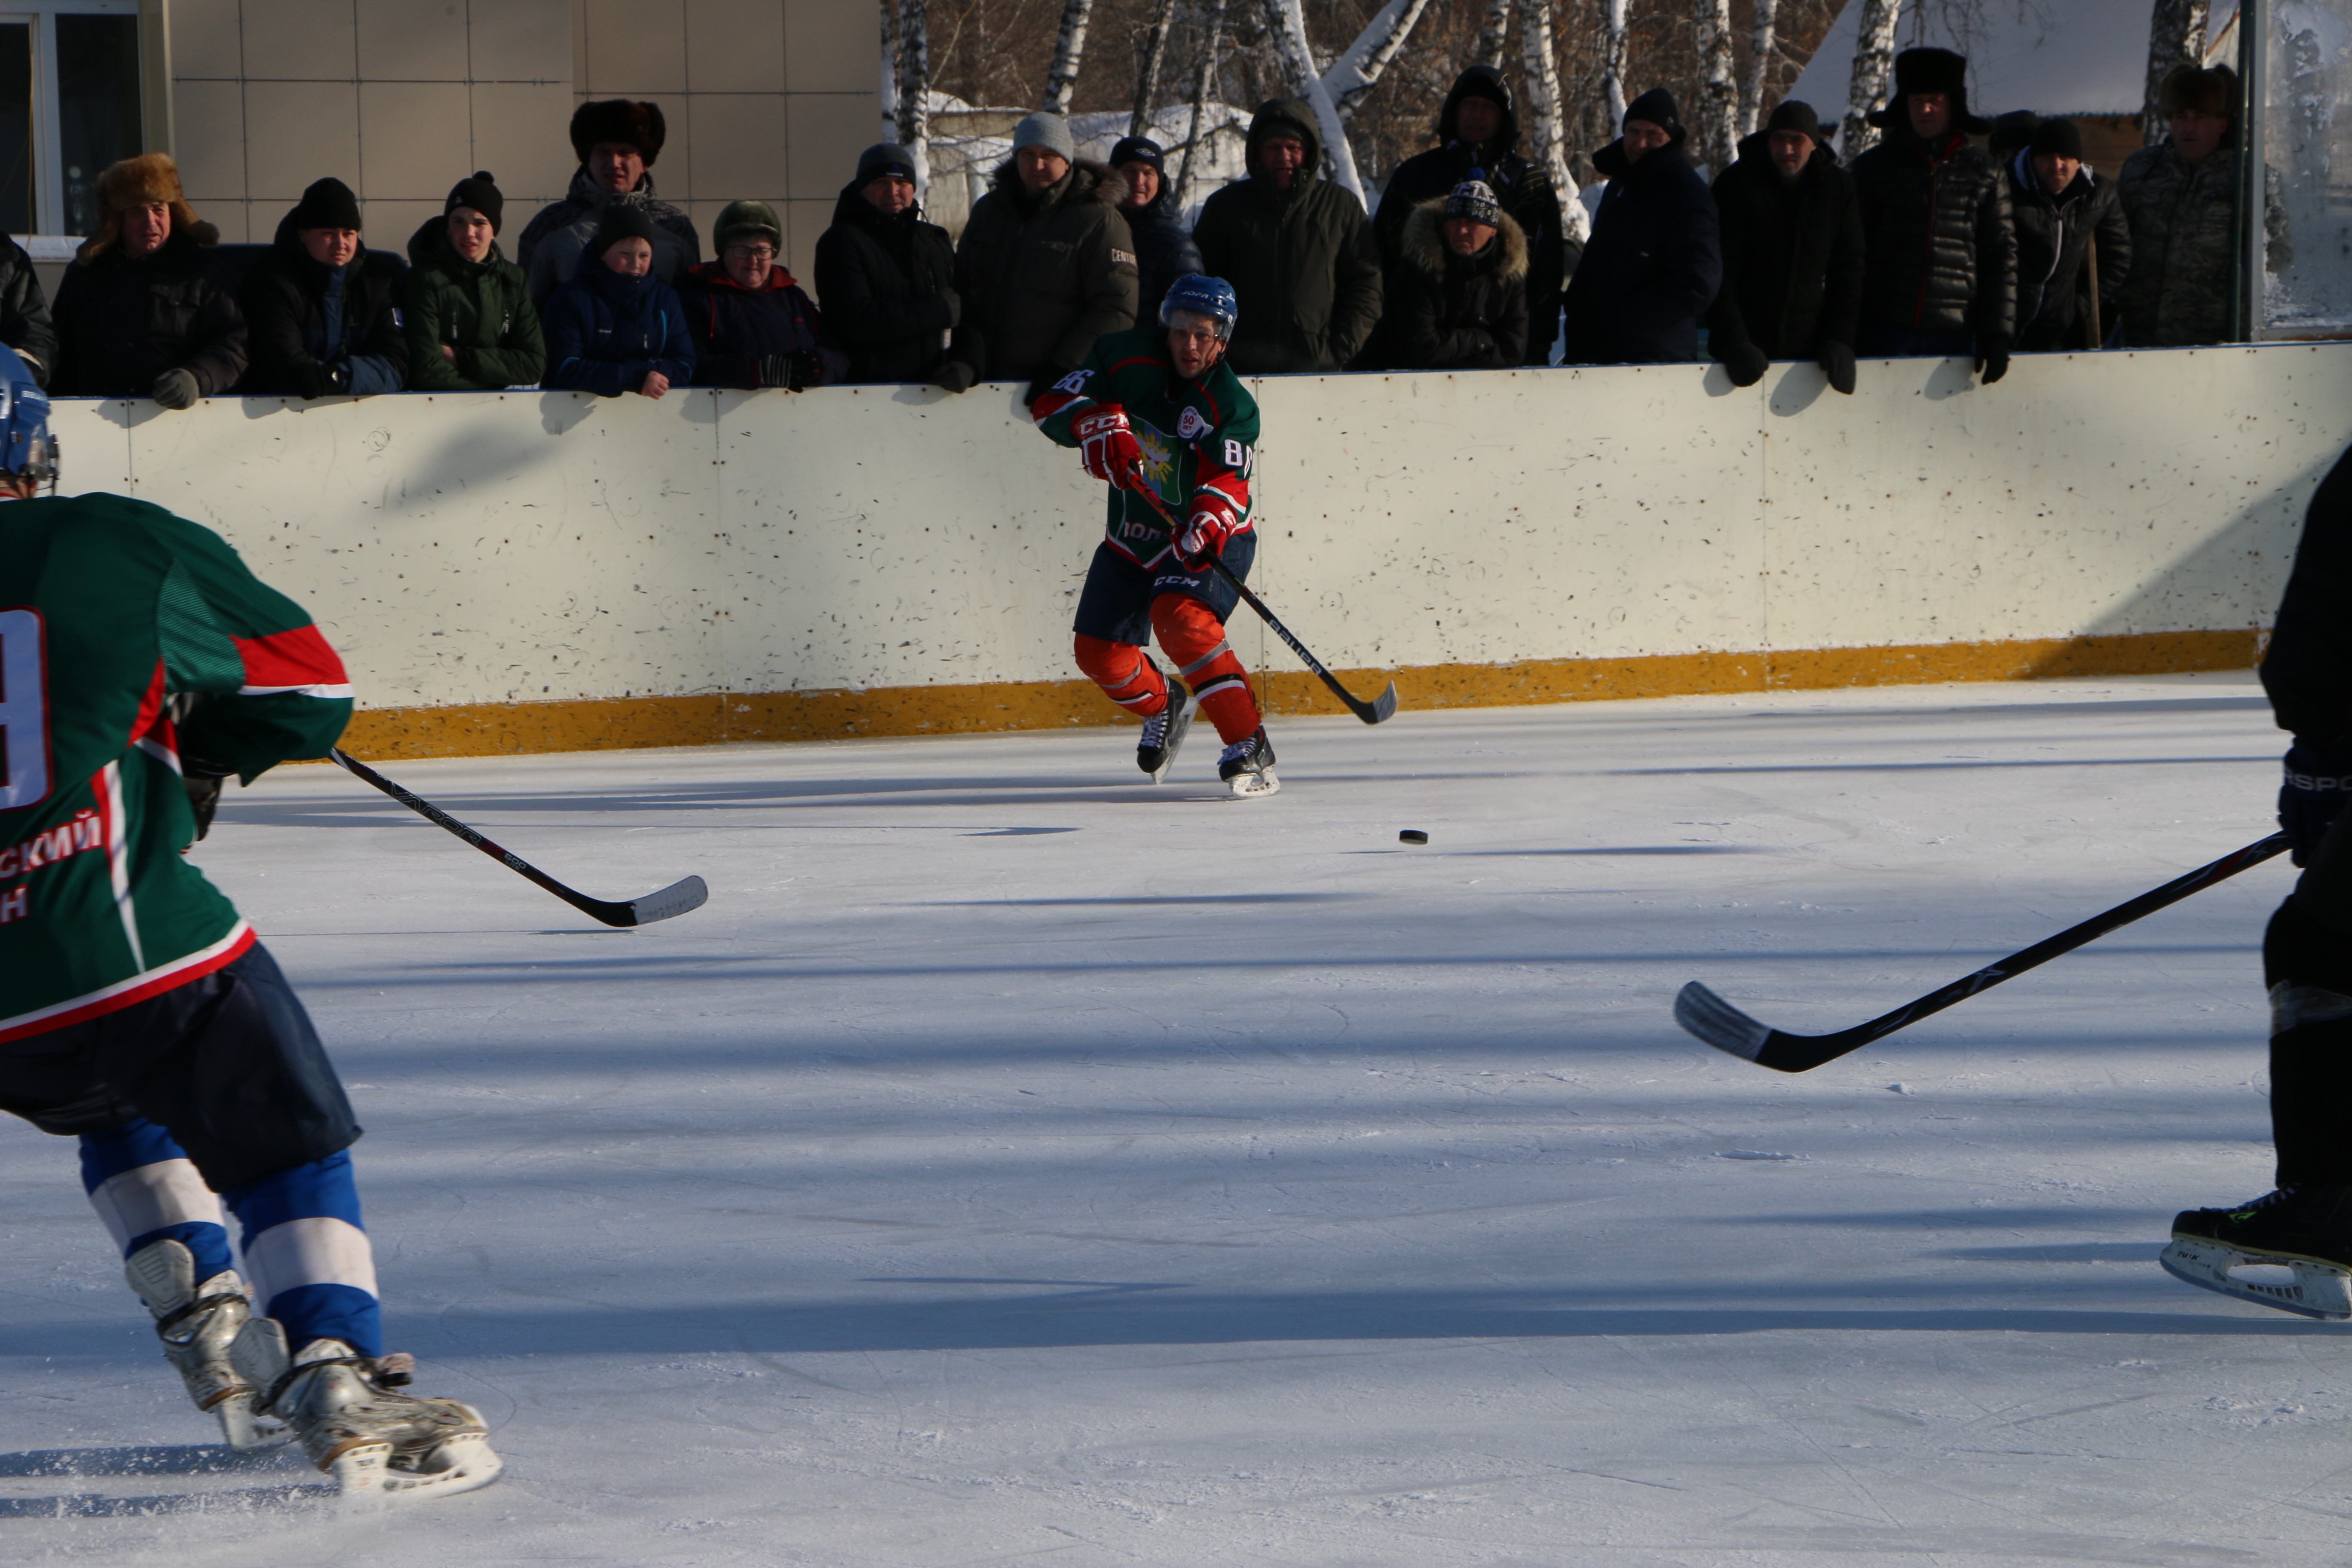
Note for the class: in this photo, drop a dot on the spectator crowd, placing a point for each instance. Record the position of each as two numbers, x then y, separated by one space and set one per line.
1926 243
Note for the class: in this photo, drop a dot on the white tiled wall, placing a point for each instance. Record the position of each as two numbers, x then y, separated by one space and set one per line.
402 98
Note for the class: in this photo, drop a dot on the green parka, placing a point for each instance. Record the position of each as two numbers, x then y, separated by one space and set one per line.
1303 261
482 309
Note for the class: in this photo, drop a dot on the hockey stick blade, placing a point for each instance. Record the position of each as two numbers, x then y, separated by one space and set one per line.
675 900
1728 1029
1381 708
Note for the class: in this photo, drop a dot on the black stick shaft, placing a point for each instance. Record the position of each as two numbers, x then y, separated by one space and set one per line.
2069 939
439 818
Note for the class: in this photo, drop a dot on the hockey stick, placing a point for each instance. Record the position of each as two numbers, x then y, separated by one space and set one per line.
1372 712
675 900
1727 1028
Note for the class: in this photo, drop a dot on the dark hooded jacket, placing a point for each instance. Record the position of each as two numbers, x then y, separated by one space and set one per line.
1302 262
1446 311
2308 670
1653 266
549 250
889 287
303 318
2053 239
1043 275
2186 250
1943 252
1793 256
1524 189
121 323
1164 251
605 331
480 308
24 323
735 328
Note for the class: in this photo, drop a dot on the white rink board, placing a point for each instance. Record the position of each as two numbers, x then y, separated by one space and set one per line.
535 546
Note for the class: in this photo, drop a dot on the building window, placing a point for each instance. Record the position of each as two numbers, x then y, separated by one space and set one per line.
69 106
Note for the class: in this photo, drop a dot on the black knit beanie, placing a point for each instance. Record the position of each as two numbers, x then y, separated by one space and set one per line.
2058 138
1657 107
326 203
481 193
621 220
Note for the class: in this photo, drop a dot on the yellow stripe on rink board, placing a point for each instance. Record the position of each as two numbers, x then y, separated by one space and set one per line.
481 730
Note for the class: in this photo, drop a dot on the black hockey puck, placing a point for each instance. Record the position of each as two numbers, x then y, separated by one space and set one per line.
1412 836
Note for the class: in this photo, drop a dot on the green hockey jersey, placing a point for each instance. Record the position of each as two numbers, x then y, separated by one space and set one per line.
1195 435
108 608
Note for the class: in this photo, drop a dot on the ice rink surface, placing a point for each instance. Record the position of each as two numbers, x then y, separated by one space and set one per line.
1014 1163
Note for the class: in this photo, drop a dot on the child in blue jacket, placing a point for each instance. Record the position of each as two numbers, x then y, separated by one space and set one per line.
616 328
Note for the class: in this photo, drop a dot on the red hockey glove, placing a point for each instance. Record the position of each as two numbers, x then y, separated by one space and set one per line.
1108 449
1213 521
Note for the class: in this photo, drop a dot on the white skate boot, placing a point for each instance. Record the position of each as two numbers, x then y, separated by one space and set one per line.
196 1324
378 1444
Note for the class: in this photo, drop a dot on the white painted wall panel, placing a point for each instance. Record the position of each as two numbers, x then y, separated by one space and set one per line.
530 546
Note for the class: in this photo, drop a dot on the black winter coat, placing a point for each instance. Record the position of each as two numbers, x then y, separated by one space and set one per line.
734 329
1943 252
2308 670
121 323
554 241
1793 256
2053 238
888 285
24 323
1451 312
285 304
1302 262
1653 266
1164 252
1525 190
1042 276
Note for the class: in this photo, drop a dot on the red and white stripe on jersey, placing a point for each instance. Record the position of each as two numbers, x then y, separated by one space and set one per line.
1229 482
138 989
298 662
1063 396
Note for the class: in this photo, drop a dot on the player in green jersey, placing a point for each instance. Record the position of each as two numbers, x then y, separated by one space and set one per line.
1157 414
138 1013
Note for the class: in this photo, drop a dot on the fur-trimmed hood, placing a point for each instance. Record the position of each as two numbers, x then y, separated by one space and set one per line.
137 182
1089 181
1423 242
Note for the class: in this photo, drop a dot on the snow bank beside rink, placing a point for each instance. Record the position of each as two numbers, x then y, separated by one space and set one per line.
535 570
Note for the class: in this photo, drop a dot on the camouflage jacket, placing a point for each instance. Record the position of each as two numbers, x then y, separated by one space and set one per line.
2185 246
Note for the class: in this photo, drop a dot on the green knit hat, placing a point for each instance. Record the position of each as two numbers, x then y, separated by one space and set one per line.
747 217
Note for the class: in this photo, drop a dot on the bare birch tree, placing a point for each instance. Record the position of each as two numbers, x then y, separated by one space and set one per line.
1545 123
2176 37
1288 23
1155 55
1494 38
1350 79
1873 66
1204 81
1766 41
915 90
1069 50
1718 95
1615 42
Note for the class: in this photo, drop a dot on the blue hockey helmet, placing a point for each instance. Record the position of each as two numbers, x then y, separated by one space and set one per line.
27 450
1209 297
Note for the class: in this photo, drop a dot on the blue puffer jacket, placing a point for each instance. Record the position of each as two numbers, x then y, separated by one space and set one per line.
605 331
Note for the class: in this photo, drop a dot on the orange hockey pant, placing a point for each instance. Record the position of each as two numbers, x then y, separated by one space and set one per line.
1191 634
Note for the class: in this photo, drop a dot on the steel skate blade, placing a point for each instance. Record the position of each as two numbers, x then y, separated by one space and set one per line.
459 1464
359 1474
2316 1290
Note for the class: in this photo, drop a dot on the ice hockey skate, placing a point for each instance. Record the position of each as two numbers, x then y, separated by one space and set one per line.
378 1444
2301 1236
1164 731
198 1323
1247 766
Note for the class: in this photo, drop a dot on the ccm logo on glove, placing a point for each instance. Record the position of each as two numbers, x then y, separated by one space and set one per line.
1108 448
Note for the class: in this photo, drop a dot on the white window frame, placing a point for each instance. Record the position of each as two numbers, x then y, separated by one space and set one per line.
48 126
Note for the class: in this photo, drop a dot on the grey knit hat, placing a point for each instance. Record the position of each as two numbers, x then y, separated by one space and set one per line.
1474 198
1050 132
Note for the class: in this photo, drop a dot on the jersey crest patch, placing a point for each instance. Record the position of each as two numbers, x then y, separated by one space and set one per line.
1190 426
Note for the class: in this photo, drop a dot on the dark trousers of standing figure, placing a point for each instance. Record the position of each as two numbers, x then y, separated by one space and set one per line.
2307 963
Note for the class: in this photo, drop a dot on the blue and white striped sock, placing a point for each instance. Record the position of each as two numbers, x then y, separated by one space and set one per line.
309 1256
145 1189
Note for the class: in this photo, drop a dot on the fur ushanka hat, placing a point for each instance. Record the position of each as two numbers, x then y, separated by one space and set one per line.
143 181
639 125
